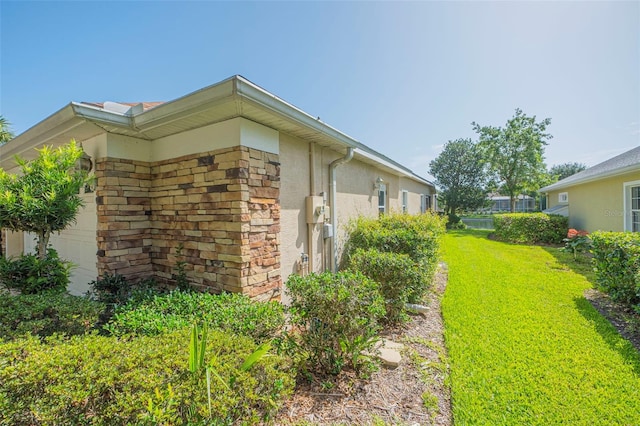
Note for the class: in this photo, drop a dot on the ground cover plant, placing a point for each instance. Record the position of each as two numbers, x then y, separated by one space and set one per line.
530 228
525 346
152 314
46 313
104 380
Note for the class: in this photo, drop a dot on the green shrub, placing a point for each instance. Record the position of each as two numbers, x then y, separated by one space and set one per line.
31 275
616 259
100 380
336 317
46 313
236 313
418 237
455 222
117 290
400 279
530 228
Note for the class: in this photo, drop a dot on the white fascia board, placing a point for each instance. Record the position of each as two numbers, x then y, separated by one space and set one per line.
100 115
613 173
257 95
184 106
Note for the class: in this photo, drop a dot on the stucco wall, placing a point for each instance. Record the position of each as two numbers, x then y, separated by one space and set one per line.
597 205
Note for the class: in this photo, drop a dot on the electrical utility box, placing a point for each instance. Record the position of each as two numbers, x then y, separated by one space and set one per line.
327 231
315 209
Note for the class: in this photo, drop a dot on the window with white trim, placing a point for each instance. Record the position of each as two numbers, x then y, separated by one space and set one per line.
563 197
382 198
424 203
635 209
632 206
405 201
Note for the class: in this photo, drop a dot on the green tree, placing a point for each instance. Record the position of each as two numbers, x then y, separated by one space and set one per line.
460 175
44 198
515 153
564 170
5 131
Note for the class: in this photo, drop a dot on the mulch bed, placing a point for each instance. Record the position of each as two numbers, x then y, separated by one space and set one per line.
625 320
395 396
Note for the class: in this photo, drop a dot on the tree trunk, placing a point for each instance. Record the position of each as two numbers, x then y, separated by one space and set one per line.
513 203
43 242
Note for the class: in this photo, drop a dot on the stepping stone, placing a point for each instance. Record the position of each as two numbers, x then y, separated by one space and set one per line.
389 352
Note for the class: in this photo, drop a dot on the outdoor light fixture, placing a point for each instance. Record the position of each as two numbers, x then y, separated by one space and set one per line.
379 182
84 163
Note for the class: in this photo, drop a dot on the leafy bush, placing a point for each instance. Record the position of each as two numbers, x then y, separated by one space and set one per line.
336 316
116 289
418 237
46 313
100 380
455 222
616 258
31 275
576 242
399 278
236 313
530 228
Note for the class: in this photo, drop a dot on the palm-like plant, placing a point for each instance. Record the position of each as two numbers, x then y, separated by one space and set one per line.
5 131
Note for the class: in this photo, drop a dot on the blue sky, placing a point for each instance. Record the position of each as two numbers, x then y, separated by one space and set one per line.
401 77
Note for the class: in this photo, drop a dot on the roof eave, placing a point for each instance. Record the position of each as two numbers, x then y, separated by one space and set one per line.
613 173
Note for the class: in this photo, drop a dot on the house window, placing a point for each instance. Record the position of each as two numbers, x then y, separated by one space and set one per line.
563 197
405 201
632 206
424 203
382 198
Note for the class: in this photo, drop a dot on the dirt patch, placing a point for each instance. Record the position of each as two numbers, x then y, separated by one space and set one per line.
414 393
625 320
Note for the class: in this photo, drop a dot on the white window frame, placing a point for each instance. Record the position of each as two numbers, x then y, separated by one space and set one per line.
405 201
382 198
626 196
563 197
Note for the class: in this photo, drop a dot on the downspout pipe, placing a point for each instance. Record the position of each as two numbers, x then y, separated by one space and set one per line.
333 206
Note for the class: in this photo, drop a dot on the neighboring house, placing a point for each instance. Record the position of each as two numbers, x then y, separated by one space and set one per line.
253 188
502 204
603 197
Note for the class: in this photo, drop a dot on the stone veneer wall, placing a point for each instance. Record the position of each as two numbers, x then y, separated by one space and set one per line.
124 209
222 206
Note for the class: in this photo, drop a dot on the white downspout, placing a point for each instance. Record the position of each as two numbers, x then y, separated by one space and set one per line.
333 206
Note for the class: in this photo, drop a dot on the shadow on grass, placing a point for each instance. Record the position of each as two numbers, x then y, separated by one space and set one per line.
609 334
581 265
464 233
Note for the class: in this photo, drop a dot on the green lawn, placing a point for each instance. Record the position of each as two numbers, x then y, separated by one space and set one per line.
525 346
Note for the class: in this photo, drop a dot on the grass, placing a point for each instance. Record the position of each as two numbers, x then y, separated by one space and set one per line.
525 346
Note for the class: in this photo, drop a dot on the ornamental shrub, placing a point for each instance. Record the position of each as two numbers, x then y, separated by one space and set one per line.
235 313
399 278
31 275
103 380
335 318
530 228
417 236
45 314
616 260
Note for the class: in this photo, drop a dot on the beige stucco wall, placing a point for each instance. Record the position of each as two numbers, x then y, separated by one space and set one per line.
597 205
355 196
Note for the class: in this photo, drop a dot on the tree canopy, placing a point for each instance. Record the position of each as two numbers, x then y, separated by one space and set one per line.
44 198
564 170
460 175
5 131
515 152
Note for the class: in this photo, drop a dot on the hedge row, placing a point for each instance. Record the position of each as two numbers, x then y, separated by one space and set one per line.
100 380
398 251
530 228
616 259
